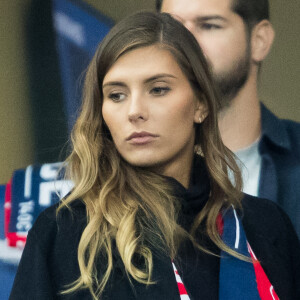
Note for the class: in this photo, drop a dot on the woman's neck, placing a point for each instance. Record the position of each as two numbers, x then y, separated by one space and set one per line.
179 170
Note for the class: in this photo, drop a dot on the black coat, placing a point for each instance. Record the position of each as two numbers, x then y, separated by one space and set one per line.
50 259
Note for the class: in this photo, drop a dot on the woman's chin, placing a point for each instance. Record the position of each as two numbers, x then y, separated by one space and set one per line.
143 161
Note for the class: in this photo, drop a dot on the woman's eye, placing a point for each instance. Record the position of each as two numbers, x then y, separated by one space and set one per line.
116 97
159 91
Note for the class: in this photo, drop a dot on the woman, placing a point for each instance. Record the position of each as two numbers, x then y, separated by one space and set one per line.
153 213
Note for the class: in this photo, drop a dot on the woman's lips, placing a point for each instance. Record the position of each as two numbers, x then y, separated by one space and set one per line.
140 138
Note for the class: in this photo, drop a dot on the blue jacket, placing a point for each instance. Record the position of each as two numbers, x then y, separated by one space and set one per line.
280 170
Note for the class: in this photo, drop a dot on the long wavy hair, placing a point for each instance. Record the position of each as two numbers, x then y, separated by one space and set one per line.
130 209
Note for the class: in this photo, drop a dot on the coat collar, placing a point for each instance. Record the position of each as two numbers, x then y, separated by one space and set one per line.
273 129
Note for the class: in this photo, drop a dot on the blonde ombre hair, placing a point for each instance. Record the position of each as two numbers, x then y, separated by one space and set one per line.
130 207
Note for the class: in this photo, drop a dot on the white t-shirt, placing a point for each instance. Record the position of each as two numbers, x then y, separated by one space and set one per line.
249 161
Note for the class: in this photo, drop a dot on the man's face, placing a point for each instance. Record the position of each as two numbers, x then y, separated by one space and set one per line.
222 35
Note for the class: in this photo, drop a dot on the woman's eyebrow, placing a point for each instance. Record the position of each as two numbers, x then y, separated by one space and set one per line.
159 76
150 79
114 83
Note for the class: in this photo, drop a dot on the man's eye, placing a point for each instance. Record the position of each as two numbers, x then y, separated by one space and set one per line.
116 97
159 91
209 26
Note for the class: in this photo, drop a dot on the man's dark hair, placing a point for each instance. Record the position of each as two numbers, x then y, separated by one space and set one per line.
251 11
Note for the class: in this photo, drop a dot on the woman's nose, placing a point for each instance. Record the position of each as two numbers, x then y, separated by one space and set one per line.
137 109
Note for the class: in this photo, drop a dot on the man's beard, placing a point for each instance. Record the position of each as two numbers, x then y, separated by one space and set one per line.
230 81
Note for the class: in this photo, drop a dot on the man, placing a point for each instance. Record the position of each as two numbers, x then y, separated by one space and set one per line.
236 36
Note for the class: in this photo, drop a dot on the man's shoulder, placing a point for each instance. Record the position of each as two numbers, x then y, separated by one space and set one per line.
293 130
292 133
282 132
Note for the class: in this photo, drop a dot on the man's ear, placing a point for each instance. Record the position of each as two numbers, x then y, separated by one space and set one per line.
262 38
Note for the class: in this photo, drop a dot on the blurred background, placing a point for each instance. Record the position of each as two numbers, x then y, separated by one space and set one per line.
33 115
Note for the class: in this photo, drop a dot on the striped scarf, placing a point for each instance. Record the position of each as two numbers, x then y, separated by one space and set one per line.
238 279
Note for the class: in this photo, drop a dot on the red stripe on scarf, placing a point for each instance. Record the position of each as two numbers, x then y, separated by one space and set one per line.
181 288
264 286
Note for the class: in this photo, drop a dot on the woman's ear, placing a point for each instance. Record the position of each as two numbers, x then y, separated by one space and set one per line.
201 112
262 38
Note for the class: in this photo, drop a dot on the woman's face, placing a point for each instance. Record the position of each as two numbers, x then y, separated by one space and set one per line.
150 110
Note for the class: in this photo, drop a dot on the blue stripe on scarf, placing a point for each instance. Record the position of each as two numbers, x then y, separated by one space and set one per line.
237 277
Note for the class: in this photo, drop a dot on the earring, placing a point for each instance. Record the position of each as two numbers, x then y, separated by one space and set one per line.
201 119
198 150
